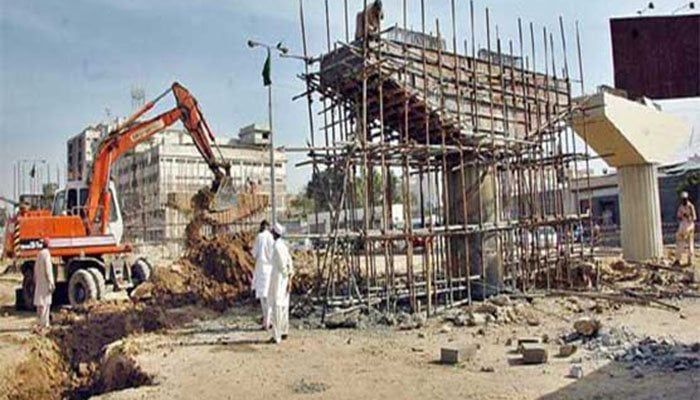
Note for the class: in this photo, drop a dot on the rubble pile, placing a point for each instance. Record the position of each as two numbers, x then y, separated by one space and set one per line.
496 310
622 345
661 280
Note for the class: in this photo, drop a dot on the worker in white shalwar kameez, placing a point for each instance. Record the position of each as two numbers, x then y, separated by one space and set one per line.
262 252
44 285
280 285
685 236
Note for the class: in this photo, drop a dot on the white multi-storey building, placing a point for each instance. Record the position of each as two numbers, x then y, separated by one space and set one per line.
81 150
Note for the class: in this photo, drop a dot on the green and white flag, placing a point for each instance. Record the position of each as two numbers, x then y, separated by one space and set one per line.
267 80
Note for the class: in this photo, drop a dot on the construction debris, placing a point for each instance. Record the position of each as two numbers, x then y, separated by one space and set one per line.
567 350
649 280
215 272
622 345
587 326
576 371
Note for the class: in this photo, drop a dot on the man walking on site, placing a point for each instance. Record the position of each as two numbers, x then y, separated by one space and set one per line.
262 251
44 285
280 285
686 229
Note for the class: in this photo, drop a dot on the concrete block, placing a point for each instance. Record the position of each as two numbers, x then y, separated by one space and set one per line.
526 339
534 353
455 355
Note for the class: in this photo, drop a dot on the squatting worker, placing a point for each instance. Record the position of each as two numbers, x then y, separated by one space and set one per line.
686 228
262 252
44 285
280 285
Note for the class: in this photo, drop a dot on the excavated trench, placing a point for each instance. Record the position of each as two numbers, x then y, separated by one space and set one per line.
86 353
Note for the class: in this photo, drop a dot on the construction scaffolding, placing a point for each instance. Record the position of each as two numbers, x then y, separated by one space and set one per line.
488 139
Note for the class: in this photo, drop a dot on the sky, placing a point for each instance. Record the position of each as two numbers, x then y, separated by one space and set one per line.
65 65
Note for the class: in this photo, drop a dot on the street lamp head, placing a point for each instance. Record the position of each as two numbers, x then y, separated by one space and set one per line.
251 44
281 48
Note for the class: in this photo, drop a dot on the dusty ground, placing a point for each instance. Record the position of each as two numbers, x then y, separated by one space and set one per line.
226 356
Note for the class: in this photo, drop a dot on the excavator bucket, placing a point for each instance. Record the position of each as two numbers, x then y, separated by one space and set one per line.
225 197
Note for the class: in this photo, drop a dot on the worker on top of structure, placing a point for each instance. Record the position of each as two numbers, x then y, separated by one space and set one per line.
686 229
280 285
44 286
262 252
373 15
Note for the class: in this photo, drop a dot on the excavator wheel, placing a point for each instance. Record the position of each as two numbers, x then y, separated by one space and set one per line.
99 282
27 292
82 288
140 272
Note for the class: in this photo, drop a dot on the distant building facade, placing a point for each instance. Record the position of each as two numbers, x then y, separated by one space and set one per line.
604 193
80 151
171 164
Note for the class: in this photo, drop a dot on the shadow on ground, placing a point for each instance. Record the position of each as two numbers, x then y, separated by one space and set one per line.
619 380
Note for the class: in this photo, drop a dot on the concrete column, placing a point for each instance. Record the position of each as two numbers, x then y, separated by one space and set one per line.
483 247
641 213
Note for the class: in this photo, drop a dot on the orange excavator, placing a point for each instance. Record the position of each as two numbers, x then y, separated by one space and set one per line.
85 225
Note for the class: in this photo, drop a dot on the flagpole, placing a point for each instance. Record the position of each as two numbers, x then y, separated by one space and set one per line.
272 149
268 82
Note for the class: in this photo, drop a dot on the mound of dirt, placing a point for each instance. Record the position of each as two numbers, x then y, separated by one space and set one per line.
185 284
223 257
226 259
44 373
216 269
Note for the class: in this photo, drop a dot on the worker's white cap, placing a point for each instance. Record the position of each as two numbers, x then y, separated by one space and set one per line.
279 229
684 195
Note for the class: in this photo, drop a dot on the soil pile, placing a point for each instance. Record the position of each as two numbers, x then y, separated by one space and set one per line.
226 258
217 267
42 375
183 284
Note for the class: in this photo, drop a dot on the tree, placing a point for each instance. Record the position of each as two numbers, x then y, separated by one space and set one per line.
325 187
302 204
377 182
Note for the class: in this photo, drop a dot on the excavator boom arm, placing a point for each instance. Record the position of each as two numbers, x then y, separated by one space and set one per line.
130 134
